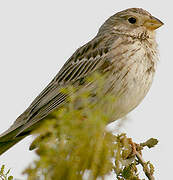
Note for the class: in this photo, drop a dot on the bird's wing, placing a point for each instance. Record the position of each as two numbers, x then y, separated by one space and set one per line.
83 62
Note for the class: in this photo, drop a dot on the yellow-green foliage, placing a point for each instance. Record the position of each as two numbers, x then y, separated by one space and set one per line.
5 175
74 143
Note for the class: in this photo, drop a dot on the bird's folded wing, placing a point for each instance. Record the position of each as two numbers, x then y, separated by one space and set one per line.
83 62
51 98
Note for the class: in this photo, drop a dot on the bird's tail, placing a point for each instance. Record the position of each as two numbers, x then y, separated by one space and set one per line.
9 138
16 133
4 146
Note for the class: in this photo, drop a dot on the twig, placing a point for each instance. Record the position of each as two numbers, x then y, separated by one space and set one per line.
145 166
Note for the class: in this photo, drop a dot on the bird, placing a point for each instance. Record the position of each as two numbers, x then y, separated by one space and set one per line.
124 48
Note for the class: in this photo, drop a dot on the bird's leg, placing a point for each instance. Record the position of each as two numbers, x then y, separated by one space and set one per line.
135 148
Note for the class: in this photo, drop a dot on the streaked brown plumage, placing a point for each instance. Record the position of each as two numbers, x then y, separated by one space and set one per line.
124 47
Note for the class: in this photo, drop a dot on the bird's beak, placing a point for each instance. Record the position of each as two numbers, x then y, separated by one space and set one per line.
153 23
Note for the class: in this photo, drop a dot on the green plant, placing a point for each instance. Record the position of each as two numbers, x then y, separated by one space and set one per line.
74 143
5 175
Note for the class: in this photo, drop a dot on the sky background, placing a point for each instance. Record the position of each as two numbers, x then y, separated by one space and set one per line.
38 36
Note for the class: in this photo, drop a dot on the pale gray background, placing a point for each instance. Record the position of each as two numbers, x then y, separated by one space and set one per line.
38 36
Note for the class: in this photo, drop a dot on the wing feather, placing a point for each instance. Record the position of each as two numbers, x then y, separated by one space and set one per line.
83 62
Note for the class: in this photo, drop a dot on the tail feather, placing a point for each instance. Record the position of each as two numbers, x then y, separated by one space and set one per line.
4 146
9 135
15 134
9 139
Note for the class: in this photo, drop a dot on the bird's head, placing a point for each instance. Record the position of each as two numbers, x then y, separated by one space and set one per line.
134 22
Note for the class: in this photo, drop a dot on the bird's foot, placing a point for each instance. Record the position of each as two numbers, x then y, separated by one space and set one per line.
135 148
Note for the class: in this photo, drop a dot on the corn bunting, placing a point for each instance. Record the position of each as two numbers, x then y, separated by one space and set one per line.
125 48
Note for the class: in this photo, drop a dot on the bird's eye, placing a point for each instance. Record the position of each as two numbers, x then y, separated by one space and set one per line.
132 20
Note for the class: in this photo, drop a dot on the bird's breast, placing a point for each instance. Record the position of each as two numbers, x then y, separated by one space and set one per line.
134 65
